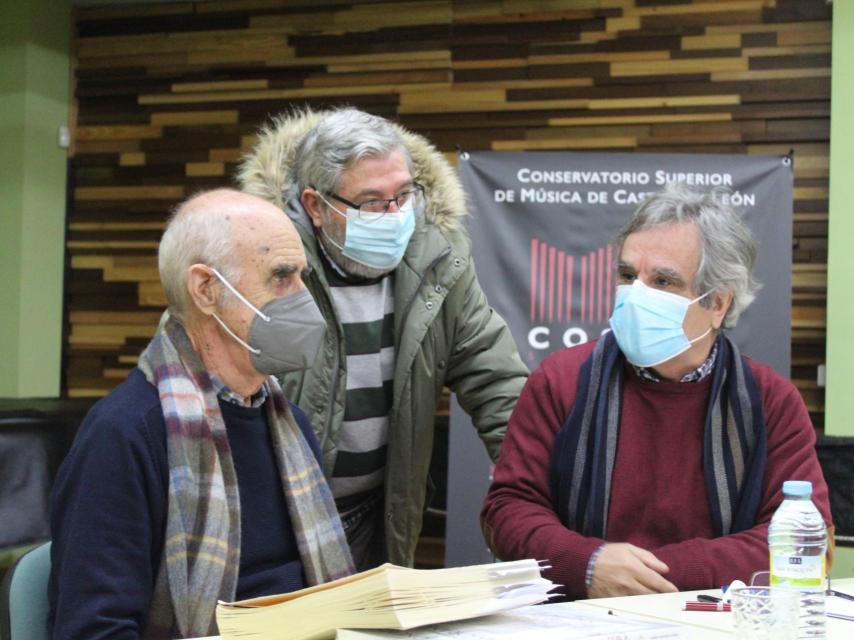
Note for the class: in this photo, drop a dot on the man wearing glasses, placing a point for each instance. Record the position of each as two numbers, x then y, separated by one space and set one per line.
380 213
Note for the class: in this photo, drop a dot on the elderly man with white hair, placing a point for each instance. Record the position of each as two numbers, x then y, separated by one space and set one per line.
653 459
196 480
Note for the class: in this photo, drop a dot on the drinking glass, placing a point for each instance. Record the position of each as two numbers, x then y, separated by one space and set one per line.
764 613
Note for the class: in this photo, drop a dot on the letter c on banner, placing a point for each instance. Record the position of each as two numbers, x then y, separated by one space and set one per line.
533 337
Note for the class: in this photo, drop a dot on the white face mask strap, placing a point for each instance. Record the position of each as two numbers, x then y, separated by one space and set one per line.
709 330
330 205
702 296
235 336
239 295
690 342
701 336
328 237
322 229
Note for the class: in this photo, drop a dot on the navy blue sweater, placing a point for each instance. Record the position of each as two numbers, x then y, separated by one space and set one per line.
109 509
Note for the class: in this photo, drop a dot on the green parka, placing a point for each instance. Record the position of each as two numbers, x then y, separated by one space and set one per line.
445 331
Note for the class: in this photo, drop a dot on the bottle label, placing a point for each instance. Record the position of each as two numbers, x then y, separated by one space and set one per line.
797 571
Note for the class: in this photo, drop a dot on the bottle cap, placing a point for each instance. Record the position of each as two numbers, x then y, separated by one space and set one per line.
727 589
797 488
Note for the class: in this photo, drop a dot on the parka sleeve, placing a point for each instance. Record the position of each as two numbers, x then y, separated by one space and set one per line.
484 368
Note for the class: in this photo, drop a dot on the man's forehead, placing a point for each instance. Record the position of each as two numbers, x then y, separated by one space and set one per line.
270 237
377 173
664 248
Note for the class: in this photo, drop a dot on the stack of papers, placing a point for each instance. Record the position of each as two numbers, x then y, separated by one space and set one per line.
388 597
549 622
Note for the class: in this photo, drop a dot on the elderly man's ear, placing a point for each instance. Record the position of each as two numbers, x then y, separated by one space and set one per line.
203 289
721 300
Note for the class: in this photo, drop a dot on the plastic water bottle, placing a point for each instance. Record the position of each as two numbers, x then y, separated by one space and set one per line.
797 540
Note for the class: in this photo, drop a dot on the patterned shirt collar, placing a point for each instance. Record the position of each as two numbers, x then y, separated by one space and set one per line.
647 373
224 392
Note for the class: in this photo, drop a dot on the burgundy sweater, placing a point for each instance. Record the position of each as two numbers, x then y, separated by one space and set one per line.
658 493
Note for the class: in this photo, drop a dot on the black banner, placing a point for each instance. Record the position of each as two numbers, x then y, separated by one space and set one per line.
543 227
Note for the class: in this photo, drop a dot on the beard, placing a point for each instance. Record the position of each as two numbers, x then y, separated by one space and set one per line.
330 245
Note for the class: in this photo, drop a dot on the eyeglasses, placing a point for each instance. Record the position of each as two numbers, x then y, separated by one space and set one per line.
376 208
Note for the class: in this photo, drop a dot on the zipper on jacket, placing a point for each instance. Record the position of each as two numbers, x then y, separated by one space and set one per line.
327 428
389 509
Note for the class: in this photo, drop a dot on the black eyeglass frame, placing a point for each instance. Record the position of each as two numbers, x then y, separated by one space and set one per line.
413 191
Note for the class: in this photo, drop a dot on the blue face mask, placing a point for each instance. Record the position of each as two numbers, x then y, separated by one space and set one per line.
380 243
647 324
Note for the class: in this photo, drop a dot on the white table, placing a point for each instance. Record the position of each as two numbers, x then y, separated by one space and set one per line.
705 625
668 607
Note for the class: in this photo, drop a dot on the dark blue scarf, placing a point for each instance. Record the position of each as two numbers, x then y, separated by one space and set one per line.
734 443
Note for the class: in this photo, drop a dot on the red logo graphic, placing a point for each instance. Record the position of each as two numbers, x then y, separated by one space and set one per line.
553 282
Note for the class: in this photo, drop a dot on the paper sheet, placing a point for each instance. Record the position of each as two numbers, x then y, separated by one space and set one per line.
840 608
543 622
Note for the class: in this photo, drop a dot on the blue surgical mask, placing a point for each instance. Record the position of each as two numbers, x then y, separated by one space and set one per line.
647 324
380 243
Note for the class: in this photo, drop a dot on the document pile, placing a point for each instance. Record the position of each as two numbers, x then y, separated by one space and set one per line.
549 622
388 597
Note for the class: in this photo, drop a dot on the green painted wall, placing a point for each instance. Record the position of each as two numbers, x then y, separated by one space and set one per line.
839 402
843 563
12 102
34 99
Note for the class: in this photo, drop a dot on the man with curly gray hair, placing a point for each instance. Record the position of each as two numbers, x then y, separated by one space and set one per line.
380 213
652 459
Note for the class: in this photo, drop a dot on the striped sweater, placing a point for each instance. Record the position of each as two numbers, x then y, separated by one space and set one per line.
365 308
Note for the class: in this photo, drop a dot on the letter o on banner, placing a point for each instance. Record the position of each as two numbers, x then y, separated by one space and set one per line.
574 336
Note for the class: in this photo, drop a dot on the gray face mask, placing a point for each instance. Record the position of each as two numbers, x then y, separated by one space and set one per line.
285 335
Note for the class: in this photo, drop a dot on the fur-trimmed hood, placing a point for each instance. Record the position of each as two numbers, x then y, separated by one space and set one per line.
267 171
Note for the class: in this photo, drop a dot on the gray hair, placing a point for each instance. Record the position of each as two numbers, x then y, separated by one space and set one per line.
199 231
337 142
728 250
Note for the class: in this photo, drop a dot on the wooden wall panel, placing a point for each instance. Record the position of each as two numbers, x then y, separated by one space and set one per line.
169 97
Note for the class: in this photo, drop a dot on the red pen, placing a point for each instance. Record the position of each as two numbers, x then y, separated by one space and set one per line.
693 605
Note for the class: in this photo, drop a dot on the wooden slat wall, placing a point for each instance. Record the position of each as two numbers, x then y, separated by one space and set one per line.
170 95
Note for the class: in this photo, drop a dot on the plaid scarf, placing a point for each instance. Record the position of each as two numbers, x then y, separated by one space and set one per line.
201 553
734 443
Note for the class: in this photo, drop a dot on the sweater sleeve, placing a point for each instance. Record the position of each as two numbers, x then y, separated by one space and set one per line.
700 563
108 519
518 517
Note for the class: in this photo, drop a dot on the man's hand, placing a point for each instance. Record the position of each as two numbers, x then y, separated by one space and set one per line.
623 569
